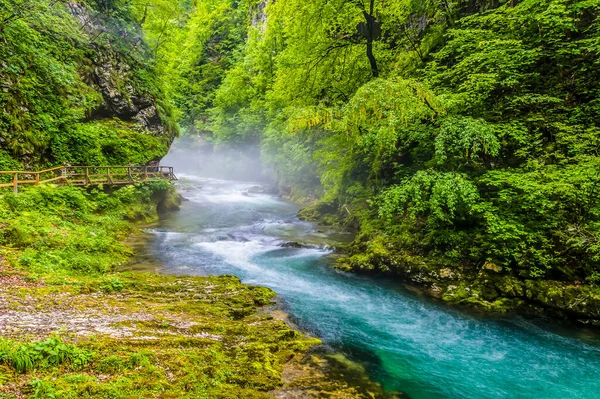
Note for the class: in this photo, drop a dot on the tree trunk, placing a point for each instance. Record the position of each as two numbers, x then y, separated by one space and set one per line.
371 21
372 60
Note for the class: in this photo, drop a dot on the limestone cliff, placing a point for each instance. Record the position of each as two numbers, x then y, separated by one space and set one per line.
78 86
114 72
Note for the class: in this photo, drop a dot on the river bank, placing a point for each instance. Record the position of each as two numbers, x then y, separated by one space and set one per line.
145 334
489 287
92 332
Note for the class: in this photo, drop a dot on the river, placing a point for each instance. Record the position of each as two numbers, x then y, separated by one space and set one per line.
407 342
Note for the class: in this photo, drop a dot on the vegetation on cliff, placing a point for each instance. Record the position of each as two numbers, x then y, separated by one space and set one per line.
77 85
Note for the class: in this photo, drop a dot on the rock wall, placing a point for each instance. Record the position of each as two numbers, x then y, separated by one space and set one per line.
78 85
113 74
491 288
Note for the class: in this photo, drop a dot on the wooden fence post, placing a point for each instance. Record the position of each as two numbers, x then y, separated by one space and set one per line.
15 183
37 179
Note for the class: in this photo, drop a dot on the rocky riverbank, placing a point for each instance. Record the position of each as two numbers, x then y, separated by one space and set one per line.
143 334
489 287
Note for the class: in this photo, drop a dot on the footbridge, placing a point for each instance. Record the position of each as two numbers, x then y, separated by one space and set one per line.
87 175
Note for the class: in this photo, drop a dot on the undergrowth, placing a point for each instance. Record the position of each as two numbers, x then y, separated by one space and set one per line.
54 229
51 352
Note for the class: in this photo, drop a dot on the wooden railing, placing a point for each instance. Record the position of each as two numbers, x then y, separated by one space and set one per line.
87 175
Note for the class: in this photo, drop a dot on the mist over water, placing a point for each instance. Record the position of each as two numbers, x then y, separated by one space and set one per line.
408 343
197 157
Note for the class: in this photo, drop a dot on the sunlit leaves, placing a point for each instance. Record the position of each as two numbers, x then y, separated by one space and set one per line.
544 213
479 137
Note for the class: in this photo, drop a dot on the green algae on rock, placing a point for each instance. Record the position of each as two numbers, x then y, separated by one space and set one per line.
188 337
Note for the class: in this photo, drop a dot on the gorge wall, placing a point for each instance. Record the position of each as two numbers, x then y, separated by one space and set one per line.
78 86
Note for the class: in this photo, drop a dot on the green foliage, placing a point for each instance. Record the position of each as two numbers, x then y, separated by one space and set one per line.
439 197
50 88
67 230
553 226
52 352
193 47
465 139
107 142
479 141
466 132
42 89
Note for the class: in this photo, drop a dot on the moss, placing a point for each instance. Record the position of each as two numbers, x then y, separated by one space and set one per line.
344 379
176 337
143 335
75 92
489 288
170 201
186 301
323 213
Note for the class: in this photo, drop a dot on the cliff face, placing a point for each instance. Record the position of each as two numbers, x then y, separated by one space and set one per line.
81 88
114 72
259 15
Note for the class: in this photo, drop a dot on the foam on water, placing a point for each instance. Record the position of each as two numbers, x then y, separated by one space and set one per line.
237 254
406 342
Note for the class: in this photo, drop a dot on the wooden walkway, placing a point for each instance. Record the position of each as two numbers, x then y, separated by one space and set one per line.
87 175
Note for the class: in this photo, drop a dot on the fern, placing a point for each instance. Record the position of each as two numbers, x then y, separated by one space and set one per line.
25 357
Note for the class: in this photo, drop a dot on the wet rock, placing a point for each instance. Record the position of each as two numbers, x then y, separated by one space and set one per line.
149 118
113 73
509 287
292 244
169 201
435 290
577 301
297 244
489 293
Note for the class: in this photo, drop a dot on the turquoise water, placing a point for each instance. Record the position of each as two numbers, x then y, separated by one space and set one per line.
407 343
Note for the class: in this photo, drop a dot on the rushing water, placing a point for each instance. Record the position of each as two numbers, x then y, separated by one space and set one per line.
407 343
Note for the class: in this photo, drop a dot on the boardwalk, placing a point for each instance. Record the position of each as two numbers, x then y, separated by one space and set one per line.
87 175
